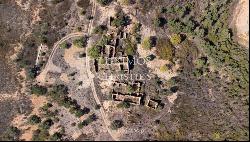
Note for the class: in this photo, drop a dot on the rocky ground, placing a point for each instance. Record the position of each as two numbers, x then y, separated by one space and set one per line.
241 22
200 110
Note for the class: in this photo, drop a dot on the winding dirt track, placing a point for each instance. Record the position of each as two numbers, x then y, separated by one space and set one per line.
57 45
91 76
89 73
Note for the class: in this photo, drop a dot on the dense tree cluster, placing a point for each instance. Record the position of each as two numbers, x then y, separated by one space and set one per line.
95 51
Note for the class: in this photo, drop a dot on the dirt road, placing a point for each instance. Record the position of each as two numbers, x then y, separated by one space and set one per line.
89 73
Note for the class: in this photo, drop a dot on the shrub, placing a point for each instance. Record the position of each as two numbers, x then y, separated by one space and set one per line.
40 135
56 1
201 62
130 46
86 122
11 134
136 28
123 104
116 124
80 125
79 113
104 2
175 39
97 107
101 60
38 90
160 22
164 49
72 110
64 45
150 57
56 136
163 68
120 20
104 41
146 43
101 29
81 42
46 124
83 12
127 2
83 3
34 119
94 52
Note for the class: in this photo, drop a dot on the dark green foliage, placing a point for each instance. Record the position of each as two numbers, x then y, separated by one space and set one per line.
34 119
40 135
101 29
97 107
46 124
81 112
56 1
104 2
83 12
123 104
94 52
160 22
64 45
56 136
164 49
174 25
32 72
104 40
121 20
38 90
150 57
130 46
221 62
116 124
87 121
81 42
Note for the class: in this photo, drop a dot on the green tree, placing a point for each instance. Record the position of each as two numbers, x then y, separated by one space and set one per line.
123 104
46 124
130 46
40 135
64 45
11 134
146 43
81 42
175 39
163 68
101 29
38 90
164 49
104 2
116 124
56 136
120 20
160 22
94 52
34 119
